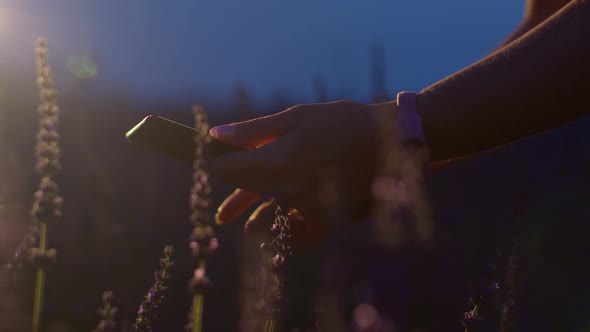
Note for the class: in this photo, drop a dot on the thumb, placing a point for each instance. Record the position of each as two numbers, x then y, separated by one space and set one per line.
259 131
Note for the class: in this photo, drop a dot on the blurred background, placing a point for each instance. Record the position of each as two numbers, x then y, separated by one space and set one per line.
116 61
199 50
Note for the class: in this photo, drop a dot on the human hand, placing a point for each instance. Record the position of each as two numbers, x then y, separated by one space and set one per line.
305 156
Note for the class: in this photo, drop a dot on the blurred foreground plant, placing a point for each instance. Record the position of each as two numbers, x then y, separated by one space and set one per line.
154 296
202 240
107 314
147 308
401 212
281 251
47 201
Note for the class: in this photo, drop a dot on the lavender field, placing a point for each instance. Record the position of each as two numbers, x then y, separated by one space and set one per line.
101 234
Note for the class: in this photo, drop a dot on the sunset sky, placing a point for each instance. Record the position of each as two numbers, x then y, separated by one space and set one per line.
168 49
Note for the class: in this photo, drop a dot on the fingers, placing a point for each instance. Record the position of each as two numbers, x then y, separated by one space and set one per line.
306 231
235 205
256 170
283 143
262 218
257 132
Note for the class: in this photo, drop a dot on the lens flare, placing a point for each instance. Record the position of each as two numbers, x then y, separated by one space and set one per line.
82 66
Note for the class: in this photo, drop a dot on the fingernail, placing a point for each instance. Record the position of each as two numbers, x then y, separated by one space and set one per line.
223 131
248 226
218 220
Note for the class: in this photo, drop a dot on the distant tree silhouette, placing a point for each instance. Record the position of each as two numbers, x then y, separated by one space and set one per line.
319 85
280 99
244 110
377 72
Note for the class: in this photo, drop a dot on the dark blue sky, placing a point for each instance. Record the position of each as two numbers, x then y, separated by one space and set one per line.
167 49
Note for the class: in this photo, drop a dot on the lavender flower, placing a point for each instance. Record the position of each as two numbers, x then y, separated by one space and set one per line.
401 209
47 201
107 314
155 295
281 244
202 240
203 243
22 254
199 283
368 319
43 260
201 190
280 249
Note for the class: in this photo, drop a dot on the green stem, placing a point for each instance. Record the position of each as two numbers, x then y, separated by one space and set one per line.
198 305
40 281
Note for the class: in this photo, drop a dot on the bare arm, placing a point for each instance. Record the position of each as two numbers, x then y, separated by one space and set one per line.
536 83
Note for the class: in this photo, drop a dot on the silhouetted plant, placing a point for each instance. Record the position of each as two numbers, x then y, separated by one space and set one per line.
401 208
21 254
202 240
244 103
319 85
107 314
47 201
280 250
155 295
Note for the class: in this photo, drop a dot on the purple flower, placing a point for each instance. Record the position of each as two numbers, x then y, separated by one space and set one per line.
107 314
155 295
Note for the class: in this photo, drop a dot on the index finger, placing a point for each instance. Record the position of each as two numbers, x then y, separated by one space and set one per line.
235 205
254 170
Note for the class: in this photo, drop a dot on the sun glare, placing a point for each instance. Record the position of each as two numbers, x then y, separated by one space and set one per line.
3 21
6 22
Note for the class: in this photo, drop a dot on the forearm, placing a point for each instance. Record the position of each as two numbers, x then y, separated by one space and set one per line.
536 83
